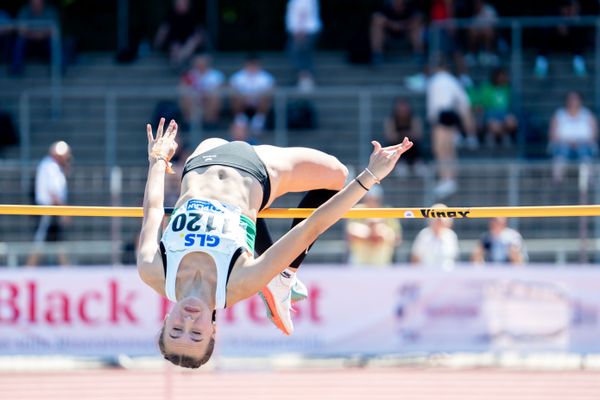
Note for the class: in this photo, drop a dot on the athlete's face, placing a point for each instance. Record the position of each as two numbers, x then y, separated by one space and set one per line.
188 328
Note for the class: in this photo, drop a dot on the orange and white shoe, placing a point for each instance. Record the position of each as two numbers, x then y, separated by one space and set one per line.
278 296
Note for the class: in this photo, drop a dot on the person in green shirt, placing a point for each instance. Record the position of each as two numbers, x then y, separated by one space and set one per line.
492 100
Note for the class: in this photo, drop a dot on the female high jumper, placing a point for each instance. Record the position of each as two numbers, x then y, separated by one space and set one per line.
205 258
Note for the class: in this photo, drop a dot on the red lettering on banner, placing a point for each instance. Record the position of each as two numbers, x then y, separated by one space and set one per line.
229 314
82 307
29 302
58 308
314 297
8 302
117 308
32 289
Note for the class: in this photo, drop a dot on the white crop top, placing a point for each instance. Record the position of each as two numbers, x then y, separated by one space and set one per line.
574 128
211 227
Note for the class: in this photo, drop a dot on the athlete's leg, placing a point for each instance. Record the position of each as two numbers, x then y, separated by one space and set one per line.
285 288
295 169
313 199
300 169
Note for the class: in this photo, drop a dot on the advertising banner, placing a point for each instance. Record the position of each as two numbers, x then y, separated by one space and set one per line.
107 311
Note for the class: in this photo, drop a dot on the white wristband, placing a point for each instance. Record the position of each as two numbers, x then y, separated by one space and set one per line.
373 175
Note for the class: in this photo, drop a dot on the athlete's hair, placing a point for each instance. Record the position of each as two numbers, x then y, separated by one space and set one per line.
183 360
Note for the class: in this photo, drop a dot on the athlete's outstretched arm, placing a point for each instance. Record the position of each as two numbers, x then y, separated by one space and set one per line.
160 151
286 249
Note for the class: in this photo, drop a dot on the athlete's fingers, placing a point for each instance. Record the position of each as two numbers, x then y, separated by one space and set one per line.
159 130
396 146
394 155
173 130
376 146
392 148
167 134
406 145
149 133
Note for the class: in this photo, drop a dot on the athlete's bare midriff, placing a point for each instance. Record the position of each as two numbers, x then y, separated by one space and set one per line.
225 184
289 169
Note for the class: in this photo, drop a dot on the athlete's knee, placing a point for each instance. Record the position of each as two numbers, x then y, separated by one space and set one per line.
341 173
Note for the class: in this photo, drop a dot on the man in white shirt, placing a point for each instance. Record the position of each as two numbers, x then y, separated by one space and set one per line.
251 100
200 86
303 25
436 246
51 190
449 113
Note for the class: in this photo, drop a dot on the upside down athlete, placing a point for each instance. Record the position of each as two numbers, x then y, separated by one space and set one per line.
205 258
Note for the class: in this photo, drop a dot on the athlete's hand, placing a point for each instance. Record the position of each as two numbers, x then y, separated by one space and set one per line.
384 159
162 147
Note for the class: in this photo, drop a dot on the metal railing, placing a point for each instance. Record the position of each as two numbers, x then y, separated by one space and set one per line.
363 96
13 254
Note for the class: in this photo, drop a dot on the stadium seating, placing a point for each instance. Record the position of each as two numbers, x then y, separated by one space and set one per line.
82 124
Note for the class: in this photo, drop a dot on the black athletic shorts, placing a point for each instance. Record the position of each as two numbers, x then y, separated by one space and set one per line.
451 119
238 155
48 229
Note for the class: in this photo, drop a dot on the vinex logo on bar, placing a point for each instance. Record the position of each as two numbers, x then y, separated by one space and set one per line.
446 213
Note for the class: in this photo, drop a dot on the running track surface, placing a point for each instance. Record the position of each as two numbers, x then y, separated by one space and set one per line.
363 384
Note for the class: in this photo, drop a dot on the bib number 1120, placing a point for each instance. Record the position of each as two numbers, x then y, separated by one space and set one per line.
192 223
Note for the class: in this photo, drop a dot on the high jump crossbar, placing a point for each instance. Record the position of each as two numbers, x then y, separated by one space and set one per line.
451 212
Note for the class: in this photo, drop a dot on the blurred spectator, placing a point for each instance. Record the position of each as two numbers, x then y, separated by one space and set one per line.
482 34
181 35
449 114
5 36
396 19
51 190
8 131
404 123
493 100
373 241
251 100
573 135
35 39
500 244
240 131
448 37
436 246
200 87
564 37
303 25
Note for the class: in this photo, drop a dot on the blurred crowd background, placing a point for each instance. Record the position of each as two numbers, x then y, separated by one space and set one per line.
500 98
